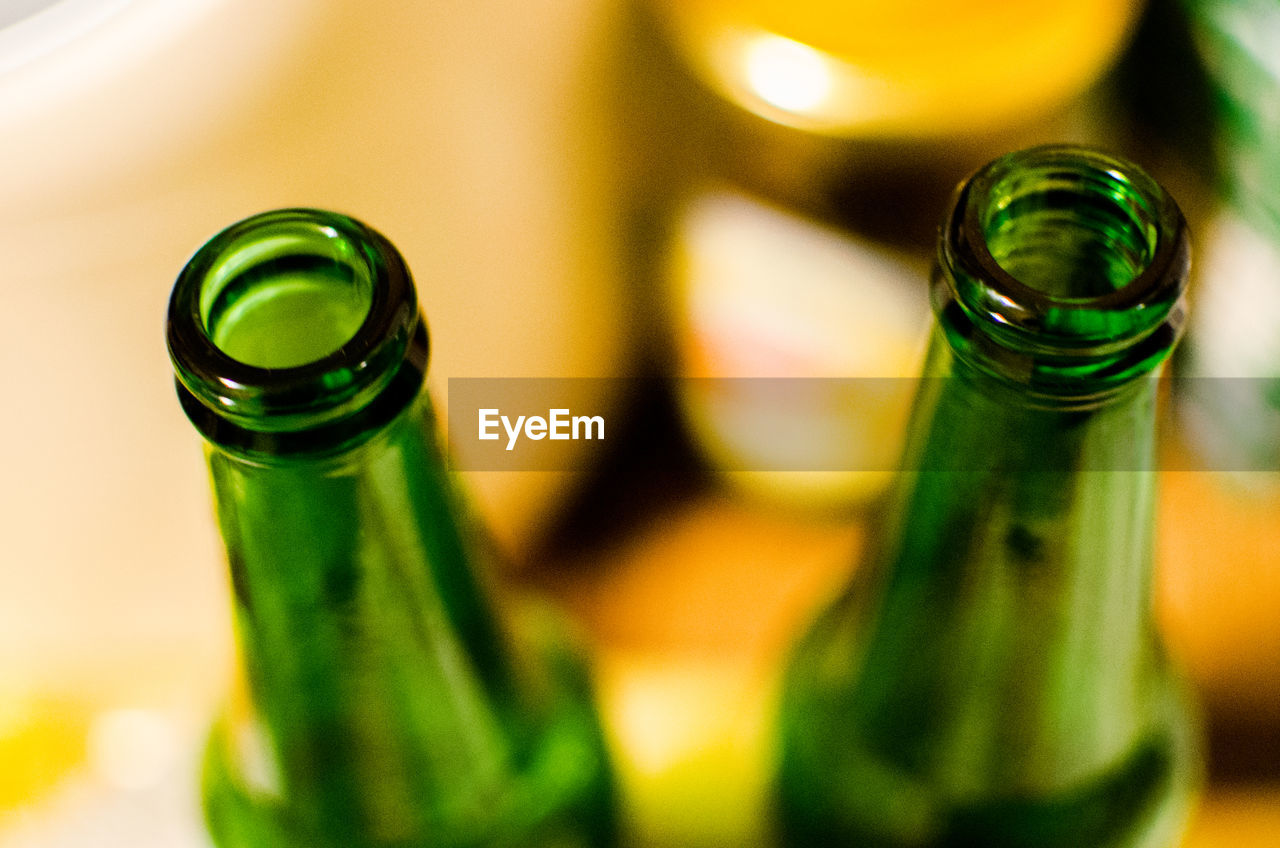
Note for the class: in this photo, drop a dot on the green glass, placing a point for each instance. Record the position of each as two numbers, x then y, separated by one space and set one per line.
1231 408
1236 44
385 702
994 676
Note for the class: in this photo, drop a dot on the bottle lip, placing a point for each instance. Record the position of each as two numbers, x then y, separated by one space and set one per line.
298 407
996 296
1066 342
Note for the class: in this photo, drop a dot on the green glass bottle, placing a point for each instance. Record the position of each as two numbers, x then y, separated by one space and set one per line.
1231 407
384 702
994 677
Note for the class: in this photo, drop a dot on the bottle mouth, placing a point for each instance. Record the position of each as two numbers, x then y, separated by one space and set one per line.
286 298
289 321
1072 235
1064 253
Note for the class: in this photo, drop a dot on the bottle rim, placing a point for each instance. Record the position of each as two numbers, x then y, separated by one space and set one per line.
995 293
283 409
1128 311
1136 193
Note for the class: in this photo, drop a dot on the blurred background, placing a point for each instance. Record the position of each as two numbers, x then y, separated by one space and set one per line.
663 189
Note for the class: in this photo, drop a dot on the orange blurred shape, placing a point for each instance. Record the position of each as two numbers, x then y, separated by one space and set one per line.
691 619
714 575
1219 589
1238 819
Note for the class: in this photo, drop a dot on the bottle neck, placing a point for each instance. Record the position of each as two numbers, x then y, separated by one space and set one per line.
1021 580
1017 564
327 436
377 676
370 654
967 420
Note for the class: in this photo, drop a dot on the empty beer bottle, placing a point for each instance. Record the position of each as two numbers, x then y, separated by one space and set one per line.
995 677
384 703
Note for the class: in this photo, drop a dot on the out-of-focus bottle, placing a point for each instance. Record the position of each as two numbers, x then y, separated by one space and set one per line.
995 676
797 152
1232 403
384 702
1221 108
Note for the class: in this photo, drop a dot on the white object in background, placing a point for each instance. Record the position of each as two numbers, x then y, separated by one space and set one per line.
812 339
1230 407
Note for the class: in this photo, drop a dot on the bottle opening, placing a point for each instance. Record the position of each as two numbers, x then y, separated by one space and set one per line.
294 331
1073 234
1065 268
288 298
1065 246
